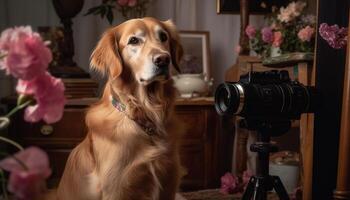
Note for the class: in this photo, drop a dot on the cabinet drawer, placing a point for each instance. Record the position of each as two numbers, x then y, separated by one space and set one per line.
58 159
194 121
193 160
70 127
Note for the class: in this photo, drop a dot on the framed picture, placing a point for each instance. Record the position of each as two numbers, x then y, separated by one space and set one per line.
255 7
196 57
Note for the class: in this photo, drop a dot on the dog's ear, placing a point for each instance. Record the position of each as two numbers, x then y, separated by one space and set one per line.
105 58
175 45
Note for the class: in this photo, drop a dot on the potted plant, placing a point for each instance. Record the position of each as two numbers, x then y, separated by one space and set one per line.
25 56
289 30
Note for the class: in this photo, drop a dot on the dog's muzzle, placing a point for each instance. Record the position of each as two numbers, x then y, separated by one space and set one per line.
160 71
161 61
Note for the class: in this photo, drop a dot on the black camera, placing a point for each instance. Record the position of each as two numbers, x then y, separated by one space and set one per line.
269 95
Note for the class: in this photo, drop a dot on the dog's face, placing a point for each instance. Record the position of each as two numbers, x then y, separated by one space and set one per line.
141 50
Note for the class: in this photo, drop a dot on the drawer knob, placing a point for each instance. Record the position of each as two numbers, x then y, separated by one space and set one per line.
46 129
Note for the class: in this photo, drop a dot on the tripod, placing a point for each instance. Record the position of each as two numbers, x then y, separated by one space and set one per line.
262 182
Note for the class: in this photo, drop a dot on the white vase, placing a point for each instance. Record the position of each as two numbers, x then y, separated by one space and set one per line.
289 175
275 51
192 85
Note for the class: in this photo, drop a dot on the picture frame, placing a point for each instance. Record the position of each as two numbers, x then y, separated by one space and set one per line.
196 53
258 7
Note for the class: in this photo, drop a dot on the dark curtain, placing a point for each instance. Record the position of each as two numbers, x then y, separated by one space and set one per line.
330 64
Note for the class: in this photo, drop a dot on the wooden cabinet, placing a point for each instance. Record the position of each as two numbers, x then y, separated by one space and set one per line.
204 146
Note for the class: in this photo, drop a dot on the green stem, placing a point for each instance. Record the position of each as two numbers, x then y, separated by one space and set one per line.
13 143
19 107
3 184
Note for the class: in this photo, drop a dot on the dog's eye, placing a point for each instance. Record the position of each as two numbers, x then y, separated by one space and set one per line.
163 37
134 41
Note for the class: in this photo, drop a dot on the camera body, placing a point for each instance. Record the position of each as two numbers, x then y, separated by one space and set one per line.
268 96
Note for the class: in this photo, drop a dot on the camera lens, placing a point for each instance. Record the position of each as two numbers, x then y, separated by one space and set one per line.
265 95
227 98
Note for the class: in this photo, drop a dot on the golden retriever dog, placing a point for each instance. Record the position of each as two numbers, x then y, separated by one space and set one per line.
131 148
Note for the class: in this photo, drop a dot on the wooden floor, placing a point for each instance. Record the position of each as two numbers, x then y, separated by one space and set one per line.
214 194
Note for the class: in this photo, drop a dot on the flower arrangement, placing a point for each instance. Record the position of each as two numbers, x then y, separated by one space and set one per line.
128 8
231 184
288 30
25 56
336 37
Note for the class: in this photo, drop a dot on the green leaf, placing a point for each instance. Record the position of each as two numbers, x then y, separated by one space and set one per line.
93 10
103 11
3 184
110 16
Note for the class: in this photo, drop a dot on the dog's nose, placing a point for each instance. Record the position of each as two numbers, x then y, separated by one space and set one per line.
161 60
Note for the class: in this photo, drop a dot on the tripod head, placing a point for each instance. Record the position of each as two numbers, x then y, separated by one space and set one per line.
266 127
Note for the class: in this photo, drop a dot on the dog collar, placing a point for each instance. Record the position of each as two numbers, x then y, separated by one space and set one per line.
145 125
118 105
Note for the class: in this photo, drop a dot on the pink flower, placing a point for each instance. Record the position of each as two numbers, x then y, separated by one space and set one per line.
49 95
277 39
306 34
246 176
336 37
27 182
238 49
26 53
229 183
267 35
132 3
250 31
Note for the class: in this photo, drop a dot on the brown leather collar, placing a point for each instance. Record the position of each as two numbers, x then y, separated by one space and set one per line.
145 124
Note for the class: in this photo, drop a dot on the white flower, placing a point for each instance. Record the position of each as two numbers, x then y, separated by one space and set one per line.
292 11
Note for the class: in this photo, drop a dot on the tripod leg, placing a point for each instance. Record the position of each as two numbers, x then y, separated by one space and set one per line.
248 193
260 192
279 188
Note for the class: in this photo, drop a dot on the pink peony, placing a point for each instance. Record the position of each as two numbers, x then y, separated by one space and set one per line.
49 95
306 34
27 182
267 35
277 39
229 183
336 37
26 53
250 31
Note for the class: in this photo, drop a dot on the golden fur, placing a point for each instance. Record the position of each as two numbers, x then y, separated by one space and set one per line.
117 160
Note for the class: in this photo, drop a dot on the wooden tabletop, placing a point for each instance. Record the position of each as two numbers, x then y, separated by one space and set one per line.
198 101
